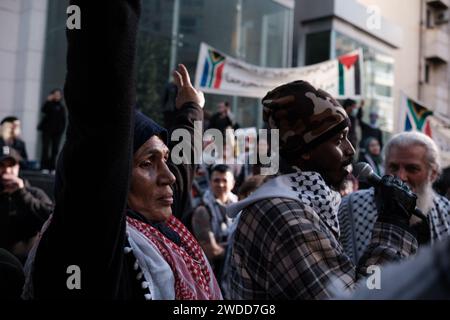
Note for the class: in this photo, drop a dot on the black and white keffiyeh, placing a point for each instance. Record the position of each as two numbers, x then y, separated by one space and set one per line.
314 192
309 188
358 214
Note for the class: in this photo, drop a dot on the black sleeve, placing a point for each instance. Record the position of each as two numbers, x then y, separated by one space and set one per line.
92 179
360 114
45 107
32 207
230 122
63 117
212 122
24 152
22 149
380 138
364 126
34 202
184 173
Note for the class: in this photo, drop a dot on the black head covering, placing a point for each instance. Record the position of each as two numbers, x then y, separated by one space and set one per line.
144 129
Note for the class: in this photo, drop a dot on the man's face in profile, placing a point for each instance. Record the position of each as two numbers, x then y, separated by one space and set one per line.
332 158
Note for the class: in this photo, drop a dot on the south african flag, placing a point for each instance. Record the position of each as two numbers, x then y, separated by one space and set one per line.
212 70
416 117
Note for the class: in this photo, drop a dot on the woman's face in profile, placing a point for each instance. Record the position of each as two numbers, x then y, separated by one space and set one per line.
374 147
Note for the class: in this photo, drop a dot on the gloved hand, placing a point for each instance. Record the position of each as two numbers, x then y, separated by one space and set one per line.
421 227
395 202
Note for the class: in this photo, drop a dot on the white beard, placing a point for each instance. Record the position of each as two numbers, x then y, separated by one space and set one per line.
425 197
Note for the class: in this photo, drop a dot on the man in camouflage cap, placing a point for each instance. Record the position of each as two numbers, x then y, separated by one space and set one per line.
286 245
307 118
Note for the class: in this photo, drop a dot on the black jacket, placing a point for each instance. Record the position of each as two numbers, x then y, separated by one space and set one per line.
53 121
368 131
220 122
93 171
18 145
22 214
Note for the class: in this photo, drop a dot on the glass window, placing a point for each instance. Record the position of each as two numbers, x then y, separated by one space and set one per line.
429 18
258 31
54 69
317 47
384 91
427 73
265 33
153 54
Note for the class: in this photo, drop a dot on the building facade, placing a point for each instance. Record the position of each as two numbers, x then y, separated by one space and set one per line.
405 45
256 31
435 55
33 50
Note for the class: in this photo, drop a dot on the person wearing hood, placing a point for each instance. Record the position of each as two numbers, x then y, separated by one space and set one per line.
287 241
113 233
371 154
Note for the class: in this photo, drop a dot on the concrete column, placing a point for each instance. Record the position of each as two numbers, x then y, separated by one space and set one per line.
22 30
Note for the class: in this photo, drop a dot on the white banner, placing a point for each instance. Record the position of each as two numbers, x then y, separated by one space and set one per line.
221 74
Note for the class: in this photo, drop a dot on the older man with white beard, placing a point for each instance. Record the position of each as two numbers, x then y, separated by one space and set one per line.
414 158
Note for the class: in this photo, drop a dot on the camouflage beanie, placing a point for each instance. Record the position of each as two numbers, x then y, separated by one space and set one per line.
305 117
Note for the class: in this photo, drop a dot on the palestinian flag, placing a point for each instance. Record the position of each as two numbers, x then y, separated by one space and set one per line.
350 74
416 116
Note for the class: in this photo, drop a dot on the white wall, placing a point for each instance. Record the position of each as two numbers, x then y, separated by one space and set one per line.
22 42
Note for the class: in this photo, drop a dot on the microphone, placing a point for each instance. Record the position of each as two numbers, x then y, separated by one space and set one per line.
364 171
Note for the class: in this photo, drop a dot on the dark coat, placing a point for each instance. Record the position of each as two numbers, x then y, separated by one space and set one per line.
22 214
54 118
220 122
368 131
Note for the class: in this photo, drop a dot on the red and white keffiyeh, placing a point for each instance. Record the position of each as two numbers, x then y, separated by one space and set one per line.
193 277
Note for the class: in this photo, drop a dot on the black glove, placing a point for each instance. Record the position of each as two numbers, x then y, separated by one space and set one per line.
422 228
395 202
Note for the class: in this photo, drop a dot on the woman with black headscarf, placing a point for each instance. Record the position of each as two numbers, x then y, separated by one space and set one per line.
112 234
371 153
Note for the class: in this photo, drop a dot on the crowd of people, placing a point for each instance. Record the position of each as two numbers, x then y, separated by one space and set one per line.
141 226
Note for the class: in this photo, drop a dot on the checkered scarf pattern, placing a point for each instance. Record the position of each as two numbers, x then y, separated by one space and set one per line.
190 252
358 214
314 192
